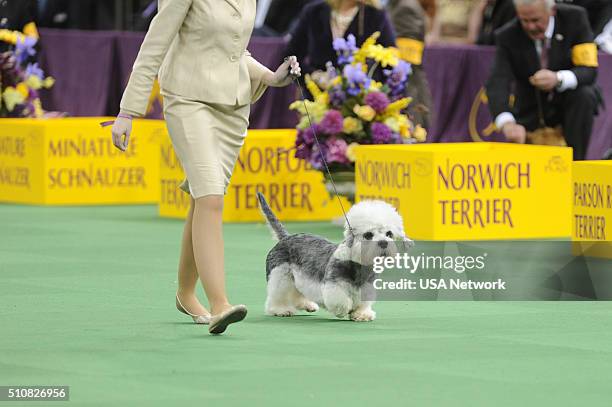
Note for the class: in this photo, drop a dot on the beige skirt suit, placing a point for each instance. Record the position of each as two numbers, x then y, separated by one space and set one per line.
208 80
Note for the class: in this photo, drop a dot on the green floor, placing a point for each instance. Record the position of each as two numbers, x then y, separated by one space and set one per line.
87 300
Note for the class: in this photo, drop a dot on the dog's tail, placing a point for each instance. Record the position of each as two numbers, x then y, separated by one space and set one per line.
278 230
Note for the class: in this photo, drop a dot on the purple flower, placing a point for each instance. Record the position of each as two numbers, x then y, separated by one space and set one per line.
332 123
303 151
378 100
356 79
336 150
337 97
33 69
25 48
306 137
331 70
395 138
381 133
315 156
397 79
344 49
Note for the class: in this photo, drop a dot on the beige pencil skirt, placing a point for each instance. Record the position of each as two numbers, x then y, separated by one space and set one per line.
207 139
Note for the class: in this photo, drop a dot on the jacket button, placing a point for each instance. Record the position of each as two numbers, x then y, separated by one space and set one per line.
233 58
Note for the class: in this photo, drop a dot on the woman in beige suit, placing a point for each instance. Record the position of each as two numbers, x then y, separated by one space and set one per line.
208 80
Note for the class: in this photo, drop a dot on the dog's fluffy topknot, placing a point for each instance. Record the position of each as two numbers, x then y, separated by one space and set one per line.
368 214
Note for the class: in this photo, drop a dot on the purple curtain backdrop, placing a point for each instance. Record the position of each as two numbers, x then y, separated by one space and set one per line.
82 64
92 68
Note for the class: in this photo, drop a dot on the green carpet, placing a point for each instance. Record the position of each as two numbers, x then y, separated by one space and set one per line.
87 298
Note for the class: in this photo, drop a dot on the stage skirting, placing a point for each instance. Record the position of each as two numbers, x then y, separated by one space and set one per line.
265 164
471 191
592 208
91 69
73 161
444 191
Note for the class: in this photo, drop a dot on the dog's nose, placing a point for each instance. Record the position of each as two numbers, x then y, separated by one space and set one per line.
383 244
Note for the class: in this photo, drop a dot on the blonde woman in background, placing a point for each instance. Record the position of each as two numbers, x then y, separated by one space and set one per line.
208 80
322 22
452 22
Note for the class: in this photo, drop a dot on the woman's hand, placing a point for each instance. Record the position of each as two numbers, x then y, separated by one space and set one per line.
122 126
286 72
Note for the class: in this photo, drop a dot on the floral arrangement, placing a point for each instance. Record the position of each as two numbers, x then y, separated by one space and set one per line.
351 107
21 81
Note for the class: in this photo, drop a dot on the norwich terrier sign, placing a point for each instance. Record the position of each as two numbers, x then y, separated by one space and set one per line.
471 190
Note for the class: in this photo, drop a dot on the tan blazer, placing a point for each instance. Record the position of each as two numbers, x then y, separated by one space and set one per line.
198 49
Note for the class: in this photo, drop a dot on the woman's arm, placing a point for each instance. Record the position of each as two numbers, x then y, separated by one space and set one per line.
162 31
257 73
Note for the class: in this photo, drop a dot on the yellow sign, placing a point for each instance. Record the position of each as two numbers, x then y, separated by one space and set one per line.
266 163
73 161
592 207
470 191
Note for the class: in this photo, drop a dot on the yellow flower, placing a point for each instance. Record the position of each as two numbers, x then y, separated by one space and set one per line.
350 152
34 82
366 113
12 97
405 131
48 82
362 53
393 124
395 107
10 37
336 81
317 112
23 89
384 56
313 88
375 85
352 125
420 134
404 125
38 110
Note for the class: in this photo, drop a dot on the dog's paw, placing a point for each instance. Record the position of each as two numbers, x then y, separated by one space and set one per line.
309 306
363 315
339 311
280 312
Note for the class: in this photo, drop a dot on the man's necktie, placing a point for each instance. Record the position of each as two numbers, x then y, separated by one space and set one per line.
545 47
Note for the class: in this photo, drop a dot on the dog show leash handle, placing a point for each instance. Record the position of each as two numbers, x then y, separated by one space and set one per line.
314 132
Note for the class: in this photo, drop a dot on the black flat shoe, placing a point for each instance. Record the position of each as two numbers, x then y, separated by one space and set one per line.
218 323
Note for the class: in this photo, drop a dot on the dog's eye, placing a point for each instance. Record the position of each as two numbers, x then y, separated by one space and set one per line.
389 235
368 235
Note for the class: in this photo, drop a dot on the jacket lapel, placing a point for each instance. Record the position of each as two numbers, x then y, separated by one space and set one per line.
531 54
234 4
556 45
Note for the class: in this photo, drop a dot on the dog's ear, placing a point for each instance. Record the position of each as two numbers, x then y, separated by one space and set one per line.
343 251
407 241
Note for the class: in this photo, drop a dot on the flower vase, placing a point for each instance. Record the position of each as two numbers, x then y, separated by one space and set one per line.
344 182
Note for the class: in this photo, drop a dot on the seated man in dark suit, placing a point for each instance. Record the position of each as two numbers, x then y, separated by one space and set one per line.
549 54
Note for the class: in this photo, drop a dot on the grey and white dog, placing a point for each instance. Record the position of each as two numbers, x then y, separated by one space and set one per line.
306 271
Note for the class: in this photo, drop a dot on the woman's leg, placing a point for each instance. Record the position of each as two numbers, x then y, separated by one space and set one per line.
207 234
187 272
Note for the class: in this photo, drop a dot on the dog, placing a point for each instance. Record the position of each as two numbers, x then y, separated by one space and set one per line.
305 271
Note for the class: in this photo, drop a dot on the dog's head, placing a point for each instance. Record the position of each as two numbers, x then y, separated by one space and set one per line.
377 230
